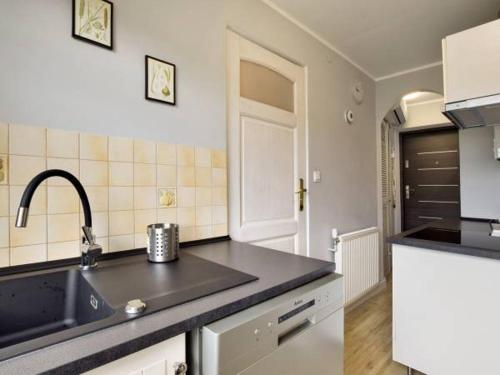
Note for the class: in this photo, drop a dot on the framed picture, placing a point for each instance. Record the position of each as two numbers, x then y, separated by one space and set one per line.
160 80
93 22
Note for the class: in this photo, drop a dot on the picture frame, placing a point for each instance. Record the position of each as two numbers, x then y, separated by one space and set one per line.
92 22
160 81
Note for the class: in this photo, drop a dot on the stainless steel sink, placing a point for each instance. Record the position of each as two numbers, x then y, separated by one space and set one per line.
35 306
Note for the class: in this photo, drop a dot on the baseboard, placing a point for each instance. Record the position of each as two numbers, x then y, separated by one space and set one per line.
373 291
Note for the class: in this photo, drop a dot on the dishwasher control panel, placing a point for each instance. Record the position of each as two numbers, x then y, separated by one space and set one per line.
232 343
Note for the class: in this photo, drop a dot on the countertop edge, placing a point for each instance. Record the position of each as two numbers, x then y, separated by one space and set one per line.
113 353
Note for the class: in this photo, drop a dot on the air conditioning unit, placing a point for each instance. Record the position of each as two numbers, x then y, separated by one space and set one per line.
396 116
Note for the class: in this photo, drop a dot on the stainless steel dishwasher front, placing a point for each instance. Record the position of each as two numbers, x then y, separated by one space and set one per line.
297 333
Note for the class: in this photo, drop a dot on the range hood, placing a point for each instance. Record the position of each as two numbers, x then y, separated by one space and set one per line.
471 71
473 113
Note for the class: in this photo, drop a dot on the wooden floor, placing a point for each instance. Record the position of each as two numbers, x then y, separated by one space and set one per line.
368 338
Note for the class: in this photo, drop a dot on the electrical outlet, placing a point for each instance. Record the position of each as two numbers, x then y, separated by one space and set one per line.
3 169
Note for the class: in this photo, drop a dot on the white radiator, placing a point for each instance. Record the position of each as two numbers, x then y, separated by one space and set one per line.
357 258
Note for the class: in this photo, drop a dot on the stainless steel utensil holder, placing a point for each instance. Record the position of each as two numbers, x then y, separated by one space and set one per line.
163 242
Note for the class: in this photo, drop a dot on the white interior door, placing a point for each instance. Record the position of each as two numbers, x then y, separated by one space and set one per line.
267 148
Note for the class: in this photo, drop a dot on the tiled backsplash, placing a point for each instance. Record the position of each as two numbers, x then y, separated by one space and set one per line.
130 183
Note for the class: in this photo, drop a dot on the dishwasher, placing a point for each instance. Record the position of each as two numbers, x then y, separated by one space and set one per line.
297 333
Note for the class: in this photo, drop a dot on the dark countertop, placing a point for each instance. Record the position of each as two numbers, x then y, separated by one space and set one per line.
466 237
278 273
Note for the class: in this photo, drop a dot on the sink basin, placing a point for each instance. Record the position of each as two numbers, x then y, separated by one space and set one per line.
35 306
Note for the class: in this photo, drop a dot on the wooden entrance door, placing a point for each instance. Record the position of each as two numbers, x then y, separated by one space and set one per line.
267 148
430 168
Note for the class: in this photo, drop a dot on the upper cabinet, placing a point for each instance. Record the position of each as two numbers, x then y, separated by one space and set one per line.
471 62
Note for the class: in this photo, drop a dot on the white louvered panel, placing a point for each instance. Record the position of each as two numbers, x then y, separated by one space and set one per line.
357 258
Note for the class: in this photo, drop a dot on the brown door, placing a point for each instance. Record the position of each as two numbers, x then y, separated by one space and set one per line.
430 168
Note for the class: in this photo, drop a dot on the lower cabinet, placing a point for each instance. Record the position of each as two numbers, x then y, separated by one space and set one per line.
165 358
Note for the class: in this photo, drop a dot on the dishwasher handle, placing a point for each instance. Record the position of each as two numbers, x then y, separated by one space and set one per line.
295 331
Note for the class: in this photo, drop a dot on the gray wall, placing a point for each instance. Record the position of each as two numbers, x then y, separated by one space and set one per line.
479 174
50 79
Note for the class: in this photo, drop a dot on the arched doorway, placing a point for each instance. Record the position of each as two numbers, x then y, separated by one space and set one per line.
417 114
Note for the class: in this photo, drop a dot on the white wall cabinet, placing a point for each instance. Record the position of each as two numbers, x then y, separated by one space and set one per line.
471 63
160 359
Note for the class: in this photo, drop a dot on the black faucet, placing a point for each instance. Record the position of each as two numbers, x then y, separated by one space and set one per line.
90 250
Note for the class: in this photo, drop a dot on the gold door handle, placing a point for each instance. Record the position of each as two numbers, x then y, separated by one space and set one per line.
301 193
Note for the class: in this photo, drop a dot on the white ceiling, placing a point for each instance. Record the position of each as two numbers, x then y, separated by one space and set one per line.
385 37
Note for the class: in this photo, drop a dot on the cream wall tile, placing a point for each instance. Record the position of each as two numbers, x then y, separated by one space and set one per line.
4 201
121 149
104 243
203 157
35 233
93 147
203 176
203 216
121 174
4 257
167 215
219 159
142 219
144 198
98 198
219 177
166 175
140 240
186 197
28 254
219 230
203 196
27 140
69 165
219 214
94 173
63 250
121 198
219 196
121 222
120 243
4 232
99 223
186 217
187 234
185 176
144 152
144 174
4 169
167 197
62 200
23 168
202 232
62 144
166 153
4 138
185 155
38 204
63 227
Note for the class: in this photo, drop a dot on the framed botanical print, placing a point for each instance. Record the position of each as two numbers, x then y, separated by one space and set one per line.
160 80
93 22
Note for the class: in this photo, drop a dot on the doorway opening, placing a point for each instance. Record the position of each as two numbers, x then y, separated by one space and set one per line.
420 166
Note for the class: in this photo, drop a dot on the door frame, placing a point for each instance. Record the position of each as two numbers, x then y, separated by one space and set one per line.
233 139
436 129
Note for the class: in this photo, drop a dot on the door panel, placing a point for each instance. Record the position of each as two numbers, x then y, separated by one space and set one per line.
267 147
431 177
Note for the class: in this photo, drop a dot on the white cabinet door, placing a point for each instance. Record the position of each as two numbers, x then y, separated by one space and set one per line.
471 63
159 359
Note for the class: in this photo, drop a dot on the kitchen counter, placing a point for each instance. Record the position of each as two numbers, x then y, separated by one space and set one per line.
466 237
277 273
